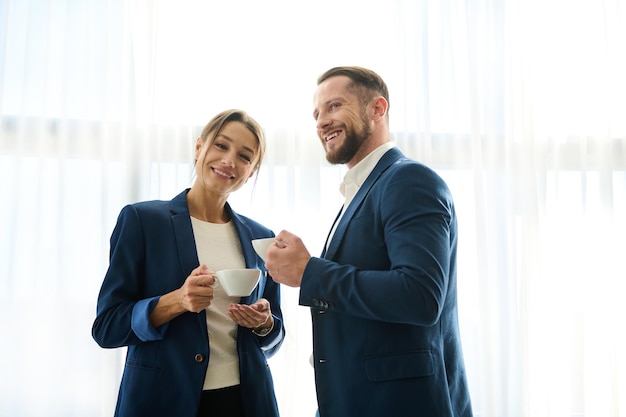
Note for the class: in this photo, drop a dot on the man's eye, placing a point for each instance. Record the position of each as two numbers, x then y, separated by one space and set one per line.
334 106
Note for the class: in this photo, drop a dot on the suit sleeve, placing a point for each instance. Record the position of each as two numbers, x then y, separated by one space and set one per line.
122 316
393 263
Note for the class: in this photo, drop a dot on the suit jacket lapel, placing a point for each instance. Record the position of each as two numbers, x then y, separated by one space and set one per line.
329 232
385 162
249 255
185 242
183 232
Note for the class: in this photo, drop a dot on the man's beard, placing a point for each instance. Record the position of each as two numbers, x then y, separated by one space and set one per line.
350 146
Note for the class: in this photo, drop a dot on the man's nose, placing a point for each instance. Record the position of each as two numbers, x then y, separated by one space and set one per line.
323 122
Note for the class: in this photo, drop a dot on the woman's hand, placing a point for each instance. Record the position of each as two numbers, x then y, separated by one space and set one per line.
257 316
195 295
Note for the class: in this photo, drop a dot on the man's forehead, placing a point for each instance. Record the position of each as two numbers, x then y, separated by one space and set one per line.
333 87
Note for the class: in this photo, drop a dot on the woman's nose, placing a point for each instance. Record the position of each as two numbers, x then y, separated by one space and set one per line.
228 160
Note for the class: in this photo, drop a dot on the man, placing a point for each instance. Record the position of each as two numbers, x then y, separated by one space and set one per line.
383 294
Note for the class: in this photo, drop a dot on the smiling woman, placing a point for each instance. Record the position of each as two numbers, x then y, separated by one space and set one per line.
143 306
101 104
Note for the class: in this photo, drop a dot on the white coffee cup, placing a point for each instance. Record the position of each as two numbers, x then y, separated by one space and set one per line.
261 245
238 282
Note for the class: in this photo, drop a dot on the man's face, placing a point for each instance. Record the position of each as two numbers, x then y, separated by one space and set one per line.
342 124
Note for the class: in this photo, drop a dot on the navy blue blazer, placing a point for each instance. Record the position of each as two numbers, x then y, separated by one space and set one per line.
383 300
152 253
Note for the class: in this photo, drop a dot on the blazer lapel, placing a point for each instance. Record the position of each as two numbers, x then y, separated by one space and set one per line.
249 255
389 158
185 242
323 255
245 237
183 232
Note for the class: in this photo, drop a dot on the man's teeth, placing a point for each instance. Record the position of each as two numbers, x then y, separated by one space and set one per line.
332 136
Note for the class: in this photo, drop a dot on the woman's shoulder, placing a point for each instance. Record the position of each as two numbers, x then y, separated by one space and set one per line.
175 205
146 210
148 206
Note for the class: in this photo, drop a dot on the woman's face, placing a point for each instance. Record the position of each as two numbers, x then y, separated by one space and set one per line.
225 164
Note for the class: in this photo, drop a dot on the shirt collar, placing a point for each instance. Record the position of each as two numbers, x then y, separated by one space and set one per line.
359 173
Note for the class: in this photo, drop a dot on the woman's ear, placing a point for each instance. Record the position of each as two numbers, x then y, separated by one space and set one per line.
198 147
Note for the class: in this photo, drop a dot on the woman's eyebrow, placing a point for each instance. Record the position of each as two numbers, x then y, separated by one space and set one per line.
228 138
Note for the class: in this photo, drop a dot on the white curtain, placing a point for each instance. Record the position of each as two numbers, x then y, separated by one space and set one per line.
519 104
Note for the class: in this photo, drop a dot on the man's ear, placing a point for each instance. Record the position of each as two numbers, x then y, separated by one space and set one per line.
379 109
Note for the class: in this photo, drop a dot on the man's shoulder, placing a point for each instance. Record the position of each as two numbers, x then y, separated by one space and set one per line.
399 164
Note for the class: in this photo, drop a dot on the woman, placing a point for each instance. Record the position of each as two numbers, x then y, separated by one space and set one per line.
193 350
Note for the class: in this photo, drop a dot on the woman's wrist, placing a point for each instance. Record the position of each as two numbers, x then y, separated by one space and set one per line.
264 328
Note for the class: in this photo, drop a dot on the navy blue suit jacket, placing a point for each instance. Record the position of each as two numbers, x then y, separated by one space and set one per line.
383 300
152 253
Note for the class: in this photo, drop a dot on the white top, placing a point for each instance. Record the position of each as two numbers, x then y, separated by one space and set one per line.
218 247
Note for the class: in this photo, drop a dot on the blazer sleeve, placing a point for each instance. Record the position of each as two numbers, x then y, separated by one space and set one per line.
122 314
394 260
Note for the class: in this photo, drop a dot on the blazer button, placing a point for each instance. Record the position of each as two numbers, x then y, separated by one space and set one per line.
199 357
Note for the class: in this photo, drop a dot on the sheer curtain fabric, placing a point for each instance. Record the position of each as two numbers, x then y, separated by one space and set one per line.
519 105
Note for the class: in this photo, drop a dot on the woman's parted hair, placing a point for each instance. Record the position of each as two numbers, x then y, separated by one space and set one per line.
216 124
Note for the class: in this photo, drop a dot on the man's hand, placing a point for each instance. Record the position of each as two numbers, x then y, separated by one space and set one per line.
287 258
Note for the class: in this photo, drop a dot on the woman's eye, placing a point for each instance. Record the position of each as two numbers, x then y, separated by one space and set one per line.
220 146
246 158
